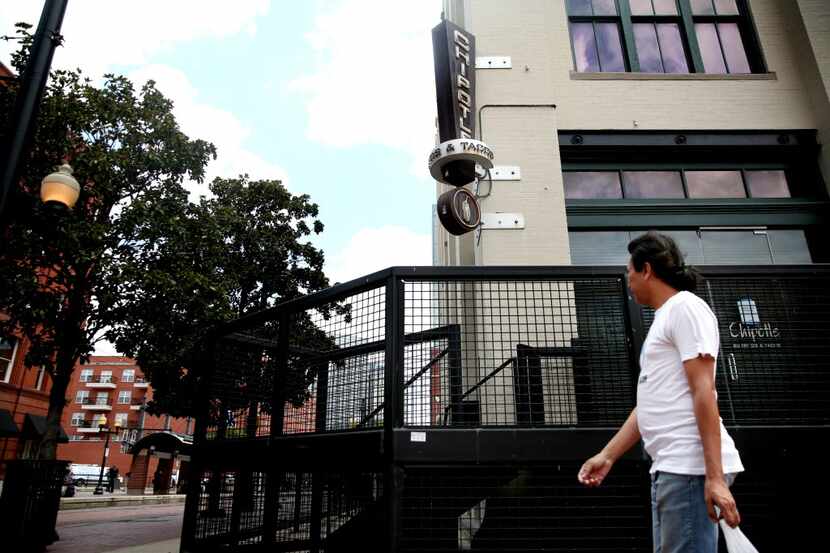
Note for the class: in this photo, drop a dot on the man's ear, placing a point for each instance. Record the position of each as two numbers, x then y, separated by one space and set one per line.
647 270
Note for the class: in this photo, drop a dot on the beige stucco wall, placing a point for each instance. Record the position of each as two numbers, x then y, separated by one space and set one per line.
815 16
534 33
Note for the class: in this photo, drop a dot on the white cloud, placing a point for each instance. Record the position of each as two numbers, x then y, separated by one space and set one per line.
373 249
373 80
100 34
201 120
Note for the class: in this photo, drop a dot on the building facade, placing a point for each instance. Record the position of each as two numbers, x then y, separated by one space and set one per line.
111 392
703 119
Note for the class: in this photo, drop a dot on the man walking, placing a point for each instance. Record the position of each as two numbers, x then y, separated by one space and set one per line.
694 460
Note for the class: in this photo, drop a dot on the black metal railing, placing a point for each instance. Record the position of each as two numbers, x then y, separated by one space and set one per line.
355 408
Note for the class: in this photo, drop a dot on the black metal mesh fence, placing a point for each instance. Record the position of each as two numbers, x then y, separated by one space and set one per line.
301 393
535 508
550 352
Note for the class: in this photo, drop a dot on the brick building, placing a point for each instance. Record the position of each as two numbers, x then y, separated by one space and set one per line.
111 391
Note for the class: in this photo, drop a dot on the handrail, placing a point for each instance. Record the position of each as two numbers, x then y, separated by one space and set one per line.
417 375
476 386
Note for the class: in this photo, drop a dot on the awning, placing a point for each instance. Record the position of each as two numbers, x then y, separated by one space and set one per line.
34 427
167 442
8 428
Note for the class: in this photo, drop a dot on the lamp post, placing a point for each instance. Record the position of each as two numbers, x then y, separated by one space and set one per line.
32 84
107 430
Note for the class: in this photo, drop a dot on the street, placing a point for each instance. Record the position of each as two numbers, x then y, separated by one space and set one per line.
114 528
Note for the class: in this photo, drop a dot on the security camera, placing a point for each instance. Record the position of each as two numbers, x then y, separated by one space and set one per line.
454 162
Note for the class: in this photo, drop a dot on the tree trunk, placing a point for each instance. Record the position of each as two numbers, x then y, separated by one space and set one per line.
57 400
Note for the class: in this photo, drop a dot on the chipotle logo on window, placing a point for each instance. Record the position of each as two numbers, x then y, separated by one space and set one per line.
751 332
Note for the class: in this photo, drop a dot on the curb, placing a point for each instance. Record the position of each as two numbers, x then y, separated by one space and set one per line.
72 503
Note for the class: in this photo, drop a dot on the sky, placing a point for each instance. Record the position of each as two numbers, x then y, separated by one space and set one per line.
334 97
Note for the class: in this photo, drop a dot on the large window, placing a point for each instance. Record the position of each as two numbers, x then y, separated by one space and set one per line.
128 375
663 36
681 183
86 375
8 349
82 396
78 419
124 397
704 246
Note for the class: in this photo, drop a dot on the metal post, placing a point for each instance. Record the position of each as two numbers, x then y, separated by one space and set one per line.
98 489
32 85
393 416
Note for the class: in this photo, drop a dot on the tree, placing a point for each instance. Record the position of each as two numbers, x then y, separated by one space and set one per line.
135 262
127 150
196 266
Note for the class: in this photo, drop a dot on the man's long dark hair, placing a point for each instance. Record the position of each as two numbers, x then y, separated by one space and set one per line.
665 258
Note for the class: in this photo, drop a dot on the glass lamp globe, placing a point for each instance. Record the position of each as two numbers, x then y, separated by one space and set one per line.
60 187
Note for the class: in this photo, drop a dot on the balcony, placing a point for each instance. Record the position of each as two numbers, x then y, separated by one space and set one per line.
88 427
136 404
140 382
101 381
98 404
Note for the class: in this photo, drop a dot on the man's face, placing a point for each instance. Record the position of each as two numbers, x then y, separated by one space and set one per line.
638 282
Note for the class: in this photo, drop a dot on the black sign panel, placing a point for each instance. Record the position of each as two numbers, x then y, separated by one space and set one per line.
453 50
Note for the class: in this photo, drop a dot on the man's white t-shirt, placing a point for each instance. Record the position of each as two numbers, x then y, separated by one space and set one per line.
684 328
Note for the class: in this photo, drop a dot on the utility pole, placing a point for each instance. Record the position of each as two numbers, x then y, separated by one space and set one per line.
29 95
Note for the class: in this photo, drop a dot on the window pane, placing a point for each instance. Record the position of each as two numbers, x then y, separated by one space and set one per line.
579 7
789 247
610 47
726 7
647 49
767 184
605 7
707 38
641 7
733 48
585 47
702 7
715 184
599 248
592 184
689 243
665 7
671 45
652 184
735 247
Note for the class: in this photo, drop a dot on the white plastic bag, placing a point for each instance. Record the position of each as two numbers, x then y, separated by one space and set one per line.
736 541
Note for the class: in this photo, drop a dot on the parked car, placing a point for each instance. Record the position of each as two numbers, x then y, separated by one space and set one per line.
85 474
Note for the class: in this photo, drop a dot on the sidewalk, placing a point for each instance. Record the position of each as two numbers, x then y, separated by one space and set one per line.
167 546
89 501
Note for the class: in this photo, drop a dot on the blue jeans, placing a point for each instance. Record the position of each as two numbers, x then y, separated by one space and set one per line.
679 521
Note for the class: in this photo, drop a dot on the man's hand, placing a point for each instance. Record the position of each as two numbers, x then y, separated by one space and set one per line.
595 469
717 493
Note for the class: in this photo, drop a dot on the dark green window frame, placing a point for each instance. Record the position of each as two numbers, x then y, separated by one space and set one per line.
686 20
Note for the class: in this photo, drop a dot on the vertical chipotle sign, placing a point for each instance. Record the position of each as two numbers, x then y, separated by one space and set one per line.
455 82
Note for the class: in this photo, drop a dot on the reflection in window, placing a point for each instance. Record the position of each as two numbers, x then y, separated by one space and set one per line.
652 184
748 312
721 45
715 184
7 351
655 7
767 184
789 247
592 184
597 43
599 248
716 7
660 48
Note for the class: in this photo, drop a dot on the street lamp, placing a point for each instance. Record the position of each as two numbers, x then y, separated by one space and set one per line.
60 188
99 490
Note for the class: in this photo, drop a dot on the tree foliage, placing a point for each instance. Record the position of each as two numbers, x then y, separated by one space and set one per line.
135 262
